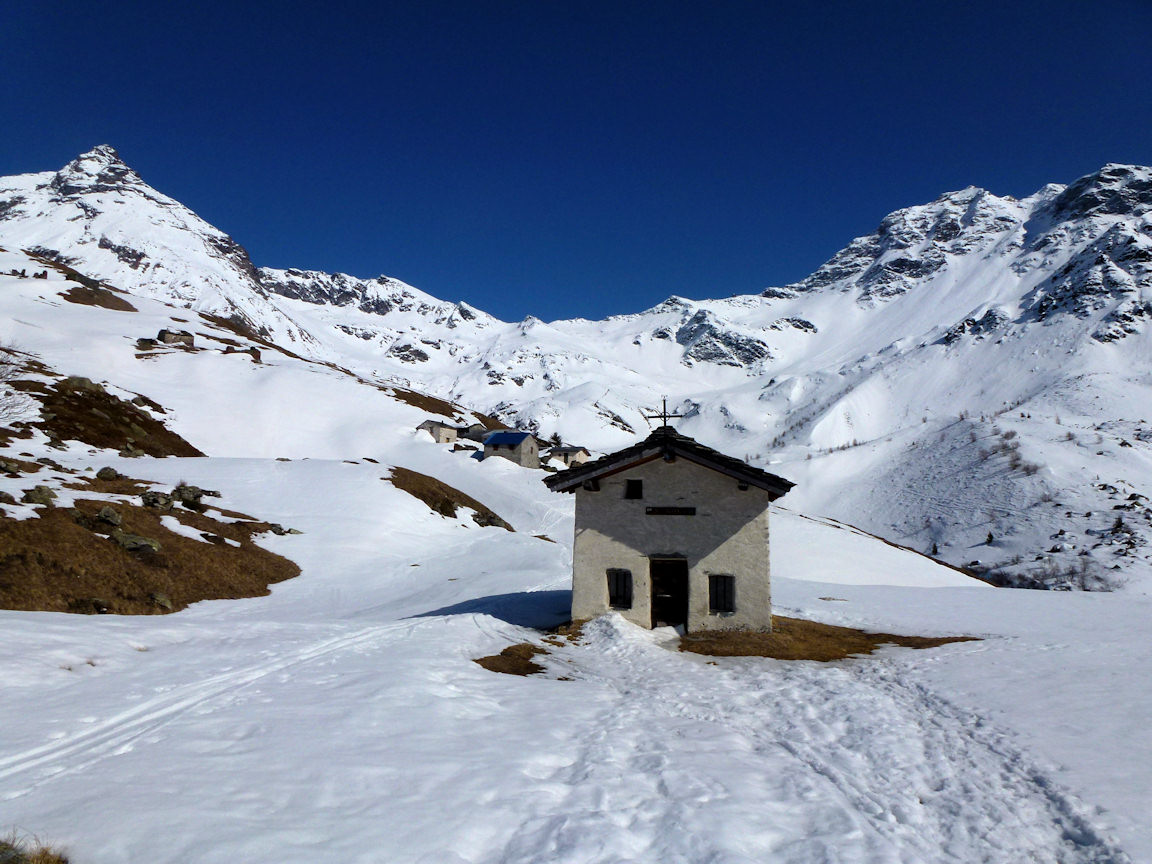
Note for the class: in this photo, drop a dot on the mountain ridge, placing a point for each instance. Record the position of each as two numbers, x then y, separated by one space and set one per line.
922 335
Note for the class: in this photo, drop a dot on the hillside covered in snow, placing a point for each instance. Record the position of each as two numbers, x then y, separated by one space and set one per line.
968 378
340 715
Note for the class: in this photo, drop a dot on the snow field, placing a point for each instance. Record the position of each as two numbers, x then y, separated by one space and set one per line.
341 717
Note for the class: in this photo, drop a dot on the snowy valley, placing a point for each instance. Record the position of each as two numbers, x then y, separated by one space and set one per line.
1003 338
971 381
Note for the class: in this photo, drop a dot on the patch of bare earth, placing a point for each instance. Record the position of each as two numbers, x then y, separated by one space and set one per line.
67 560
75 409
431 404
88 291
444 499
85 295
514 660
243 328
798 639
120 486
518 659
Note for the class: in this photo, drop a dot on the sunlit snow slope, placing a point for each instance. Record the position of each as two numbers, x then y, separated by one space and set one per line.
342 717
972 377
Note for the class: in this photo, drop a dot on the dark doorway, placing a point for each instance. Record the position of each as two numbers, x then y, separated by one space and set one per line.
669 592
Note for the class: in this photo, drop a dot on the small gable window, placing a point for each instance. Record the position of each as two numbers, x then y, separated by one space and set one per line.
619 588
634 489
721 593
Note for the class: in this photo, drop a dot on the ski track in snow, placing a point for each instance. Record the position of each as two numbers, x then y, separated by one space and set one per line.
693 760
117 734
883 771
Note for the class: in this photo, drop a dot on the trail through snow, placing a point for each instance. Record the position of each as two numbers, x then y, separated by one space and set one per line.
877 768
645 755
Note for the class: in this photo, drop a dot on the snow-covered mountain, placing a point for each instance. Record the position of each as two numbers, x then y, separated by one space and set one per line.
96 214
970 377
343 712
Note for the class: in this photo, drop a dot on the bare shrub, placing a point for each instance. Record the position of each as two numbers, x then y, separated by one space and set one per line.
1051 575
12 402
15 849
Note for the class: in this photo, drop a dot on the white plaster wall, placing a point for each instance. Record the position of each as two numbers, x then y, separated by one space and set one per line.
728 534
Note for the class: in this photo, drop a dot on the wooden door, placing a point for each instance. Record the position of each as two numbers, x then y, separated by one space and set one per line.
669 577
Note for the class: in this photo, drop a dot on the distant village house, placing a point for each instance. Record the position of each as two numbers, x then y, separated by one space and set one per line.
570 455
672 533
520 447
442 433
473 432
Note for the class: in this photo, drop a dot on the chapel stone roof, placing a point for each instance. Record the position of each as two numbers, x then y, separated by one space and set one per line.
669 444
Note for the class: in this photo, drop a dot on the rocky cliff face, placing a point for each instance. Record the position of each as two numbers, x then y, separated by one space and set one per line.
379 296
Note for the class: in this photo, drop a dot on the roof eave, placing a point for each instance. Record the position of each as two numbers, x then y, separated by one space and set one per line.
568 481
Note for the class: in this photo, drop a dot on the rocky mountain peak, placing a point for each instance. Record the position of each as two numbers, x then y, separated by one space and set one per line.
1114 190
913 243
99 170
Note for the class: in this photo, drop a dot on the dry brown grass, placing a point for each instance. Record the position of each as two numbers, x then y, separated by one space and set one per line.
573 631
18 850
442 498
798 639
25 466
85 295
490 422
424 402
518 659
243 328
62 562
514 660
8 435
101 420
119 486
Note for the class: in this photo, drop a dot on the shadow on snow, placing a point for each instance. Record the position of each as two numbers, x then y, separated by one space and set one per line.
539 609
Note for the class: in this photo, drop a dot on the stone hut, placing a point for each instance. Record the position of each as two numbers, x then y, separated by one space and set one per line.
670 532
441 432
570 455
521 447
474 432
176 337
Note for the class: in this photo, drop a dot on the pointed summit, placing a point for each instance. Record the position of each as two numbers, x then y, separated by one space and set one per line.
102 152
100 169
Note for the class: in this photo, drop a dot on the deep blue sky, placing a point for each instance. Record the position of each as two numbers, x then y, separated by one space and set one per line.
574 158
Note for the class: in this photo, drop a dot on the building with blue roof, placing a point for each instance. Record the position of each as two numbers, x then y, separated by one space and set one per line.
519 447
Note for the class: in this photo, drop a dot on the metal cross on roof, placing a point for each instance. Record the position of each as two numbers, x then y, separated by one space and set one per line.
663 416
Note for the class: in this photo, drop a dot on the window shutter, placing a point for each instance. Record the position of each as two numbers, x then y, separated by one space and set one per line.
721 593
619 588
